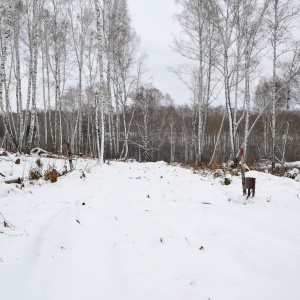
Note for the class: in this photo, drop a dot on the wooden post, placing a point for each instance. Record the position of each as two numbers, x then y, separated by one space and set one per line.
243 170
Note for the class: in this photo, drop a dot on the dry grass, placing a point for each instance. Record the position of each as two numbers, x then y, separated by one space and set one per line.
216 169
39 163
51 174
34 174
214 165
279 171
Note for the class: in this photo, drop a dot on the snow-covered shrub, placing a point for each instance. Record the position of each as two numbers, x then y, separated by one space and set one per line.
234 172
218 173
292 173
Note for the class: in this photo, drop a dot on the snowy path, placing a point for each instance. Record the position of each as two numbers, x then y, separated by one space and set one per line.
151 231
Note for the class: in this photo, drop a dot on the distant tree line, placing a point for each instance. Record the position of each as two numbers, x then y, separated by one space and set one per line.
71 73
159 130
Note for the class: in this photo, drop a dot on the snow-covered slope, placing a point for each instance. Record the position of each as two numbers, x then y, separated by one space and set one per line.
149 231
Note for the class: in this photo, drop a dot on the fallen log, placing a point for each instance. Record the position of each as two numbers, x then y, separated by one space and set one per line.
13 179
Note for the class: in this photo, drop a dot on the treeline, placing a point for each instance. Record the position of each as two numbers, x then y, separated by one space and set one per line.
160 131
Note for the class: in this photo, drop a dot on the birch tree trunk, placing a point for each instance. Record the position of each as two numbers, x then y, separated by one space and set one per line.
247 100
79 16
228 103
5 38
48 85
97 125
32 128
218 139
100 62
44 98
117 102
18 73
284 11
112 140
57 88
26 128
274 91
109 29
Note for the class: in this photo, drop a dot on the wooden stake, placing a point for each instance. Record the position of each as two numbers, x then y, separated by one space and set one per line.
243 170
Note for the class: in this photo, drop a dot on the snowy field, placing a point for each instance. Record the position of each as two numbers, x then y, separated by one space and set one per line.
150 231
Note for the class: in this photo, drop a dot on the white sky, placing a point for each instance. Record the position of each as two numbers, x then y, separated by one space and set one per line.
154 23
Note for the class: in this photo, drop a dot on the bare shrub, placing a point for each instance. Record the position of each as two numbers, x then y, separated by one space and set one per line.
279 171
51 174
203 165
34 174
39 163
194 165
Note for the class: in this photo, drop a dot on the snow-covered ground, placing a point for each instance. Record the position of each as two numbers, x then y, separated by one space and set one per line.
130 231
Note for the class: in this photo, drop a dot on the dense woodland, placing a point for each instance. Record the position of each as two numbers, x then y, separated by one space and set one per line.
72 75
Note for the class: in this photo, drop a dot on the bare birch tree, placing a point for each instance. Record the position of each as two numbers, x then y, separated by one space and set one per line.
197 45
35 31
281 15
5 35
80 16
99 23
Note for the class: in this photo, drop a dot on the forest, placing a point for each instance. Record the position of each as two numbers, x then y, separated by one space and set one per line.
73 77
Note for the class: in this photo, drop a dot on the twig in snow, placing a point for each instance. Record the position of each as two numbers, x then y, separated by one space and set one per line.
6 223
10 226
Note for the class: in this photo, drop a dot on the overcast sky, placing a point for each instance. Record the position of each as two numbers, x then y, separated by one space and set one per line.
154 23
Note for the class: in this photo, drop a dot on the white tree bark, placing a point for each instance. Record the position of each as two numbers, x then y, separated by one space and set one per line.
100 62
5 39
34 74
283 12
48 83
274 92
97 126
18 73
